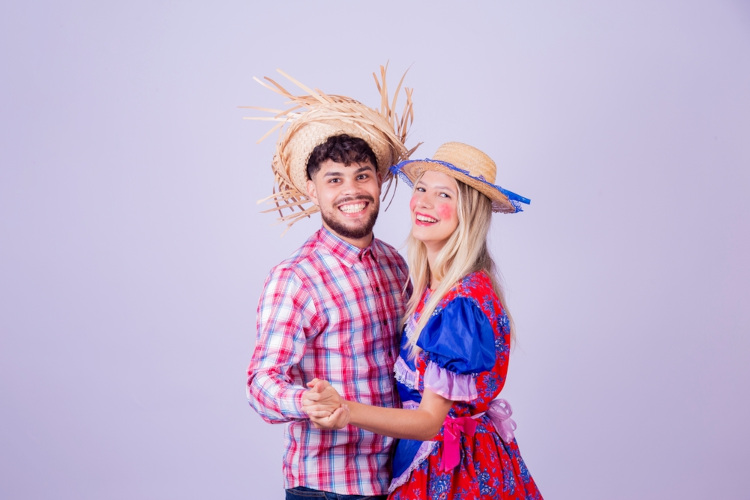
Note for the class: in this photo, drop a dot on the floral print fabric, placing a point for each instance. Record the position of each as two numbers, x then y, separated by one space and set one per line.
453 356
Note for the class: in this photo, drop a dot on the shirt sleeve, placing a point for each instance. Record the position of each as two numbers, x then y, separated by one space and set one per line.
283 312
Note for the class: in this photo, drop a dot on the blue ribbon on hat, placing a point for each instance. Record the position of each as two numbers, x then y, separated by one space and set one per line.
514 198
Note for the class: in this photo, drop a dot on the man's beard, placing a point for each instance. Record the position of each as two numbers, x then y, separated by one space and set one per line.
353 232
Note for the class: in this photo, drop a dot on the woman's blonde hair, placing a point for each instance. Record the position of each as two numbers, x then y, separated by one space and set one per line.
465 252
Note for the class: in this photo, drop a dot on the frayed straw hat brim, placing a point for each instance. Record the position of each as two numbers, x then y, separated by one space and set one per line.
315 117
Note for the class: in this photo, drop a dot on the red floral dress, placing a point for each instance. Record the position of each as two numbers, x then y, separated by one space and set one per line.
465 348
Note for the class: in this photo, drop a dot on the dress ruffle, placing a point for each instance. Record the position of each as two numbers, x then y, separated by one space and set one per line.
422 453
404 374
450 385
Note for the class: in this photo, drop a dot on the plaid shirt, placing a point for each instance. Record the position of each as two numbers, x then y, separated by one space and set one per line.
330 311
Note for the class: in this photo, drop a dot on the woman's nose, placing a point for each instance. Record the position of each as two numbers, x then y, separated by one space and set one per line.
422 201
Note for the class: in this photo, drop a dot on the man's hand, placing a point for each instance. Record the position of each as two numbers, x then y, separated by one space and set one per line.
321 399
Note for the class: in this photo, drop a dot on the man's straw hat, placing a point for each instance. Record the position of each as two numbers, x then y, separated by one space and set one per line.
468 165
316 116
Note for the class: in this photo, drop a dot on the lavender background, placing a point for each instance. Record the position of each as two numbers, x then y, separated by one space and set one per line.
132 251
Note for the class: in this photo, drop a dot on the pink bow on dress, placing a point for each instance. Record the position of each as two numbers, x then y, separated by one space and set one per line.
453 427
499 413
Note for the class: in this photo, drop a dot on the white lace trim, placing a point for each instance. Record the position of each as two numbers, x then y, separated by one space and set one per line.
423 452
404 374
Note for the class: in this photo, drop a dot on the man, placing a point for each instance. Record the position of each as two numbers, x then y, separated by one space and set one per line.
332 309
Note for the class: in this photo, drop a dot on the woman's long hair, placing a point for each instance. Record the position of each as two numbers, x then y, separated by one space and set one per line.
464 253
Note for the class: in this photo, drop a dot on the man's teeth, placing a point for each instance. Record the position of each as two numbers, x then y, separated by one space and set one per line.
355 207
424 218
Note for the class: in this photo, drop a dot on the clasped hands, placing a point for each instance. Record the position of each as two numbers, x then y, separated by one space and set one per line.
325 407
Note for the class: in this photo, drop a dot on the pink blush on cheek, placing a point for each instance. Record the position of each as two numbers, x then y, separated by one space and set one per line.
445 212
412 203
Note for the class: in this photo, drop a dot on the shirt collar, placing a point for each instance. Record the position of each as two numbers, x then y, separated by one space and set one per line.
346 252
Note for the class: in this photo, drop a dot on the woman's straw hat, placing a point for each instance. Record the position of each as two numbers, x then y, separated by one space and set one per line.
316 116
468 165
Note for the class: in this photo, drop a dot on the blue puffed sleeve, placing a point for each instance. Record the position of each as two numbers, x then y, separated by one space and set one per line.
459 338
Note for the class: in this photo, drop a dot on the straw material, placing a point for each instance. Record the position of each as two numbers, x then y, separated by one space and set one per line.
313 118
470 166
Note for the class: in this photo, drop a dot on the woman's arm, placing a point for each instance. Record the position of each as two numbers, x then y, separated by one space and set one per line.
421 424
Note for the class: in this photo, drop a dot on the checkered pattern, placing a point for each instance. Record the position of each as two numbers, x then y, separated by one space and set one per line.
330 311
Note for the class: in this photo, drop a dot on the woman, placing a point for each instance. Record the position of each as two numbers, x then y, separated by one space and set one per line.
455 347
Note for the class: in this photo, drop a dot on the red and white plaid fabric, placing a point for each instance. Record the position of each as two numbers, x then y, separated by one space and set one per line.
330 311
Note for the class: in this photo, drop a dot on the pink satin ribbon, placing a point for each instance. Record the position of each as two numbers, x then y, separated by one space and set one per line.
452 429
499 413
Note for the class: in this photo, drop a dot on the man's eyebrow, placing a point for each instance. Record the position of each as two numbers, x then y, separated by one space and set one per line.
363 168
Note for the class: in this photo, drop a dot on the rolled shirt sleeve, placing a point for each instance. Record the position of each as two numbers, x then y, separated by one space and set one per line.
274 390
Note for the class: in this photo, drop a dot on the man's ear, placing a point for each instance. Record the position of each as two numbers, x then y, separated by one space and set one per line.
312 192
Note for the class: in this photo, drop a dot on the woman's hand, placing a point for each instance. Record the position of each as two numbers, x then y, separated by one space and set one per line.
337 420
324 405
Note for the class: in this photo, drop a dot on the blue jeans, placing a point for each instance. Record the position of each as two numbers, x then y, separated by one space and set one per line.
302 493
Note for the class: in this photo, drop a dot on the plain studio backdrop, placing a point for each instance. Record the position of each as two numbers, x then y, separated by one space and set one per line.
132 250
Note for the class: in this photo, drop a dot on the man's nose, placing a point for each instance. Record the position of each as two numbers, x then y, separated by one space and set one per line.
349 186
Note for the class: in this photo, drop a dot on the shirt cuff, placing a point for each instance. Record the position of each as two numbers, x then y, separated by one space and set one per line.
291 404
